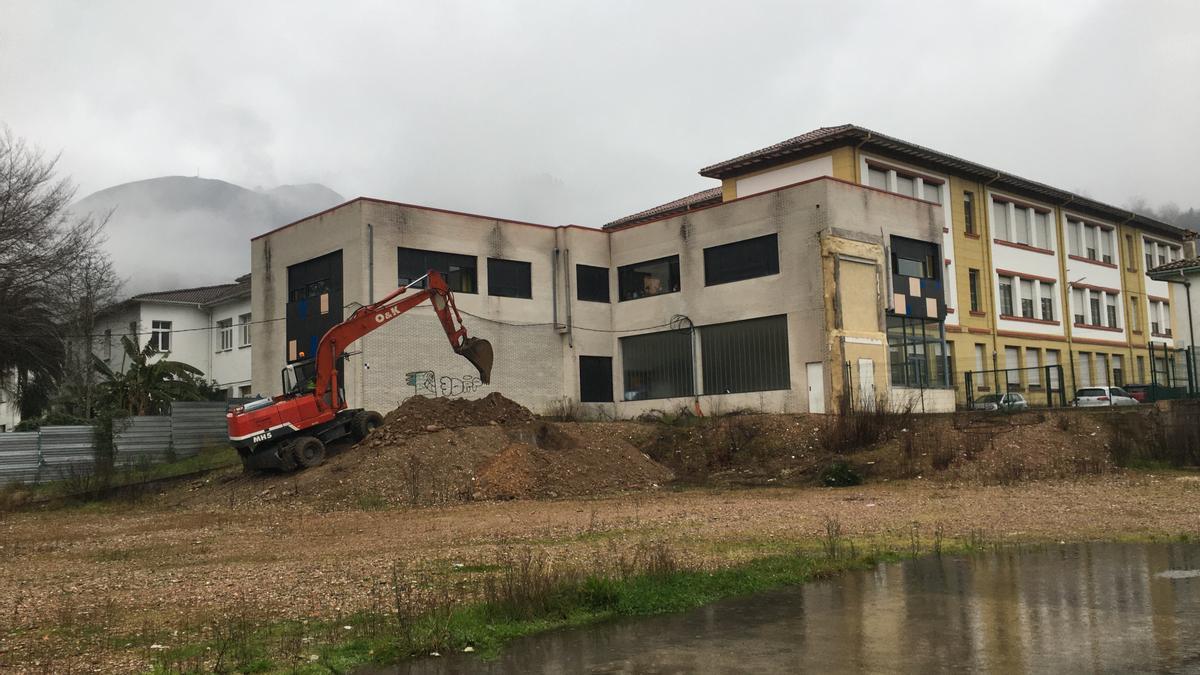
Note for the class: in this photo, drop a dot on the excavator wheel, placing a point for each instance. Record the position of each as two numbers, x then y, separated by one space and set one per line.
308 451
364 423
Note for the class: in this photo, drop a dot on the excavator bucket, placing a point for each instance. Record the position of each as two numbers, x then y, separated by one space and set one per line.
479 352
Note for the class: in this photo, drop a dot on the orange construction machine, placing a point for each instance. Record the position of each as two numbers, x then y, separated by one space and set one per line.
291 430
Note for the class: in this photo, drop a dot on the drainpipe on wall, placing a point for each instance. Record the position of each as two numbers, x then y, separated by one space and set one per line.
362 376
567 298
554 288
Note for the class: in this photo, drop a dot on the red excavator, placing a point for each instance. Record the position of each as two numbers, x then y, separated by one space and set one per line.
291 430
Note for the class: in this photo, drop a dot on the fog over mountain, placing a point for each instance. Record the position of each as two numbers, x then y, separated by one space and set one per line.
177 232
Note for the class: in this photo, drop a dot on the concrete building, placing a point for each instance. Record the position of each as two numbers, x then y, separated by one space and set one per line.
206 327
1184 276
841 266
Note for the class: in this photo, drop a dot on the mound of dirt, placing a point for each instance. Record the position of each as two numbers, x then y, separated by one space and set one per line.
442 451
419 413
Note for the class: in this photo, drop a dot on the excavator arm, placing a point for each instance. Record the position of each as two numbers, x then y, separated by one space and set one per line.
371 317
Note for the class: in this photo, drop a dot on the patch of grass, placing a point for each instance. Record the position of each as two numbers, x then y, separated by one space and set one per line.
527 592
371 502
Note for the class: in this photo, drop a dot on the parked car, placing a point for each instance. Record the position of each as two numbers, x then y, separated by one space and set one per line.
1094 397
1008 401
1139 392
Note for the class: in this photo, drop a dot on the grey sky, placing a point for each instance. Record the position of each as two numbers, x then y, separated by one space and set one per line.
581 112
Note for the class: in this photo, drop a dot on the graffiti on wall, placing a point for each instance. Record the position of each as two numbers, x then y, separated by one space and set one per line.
427 383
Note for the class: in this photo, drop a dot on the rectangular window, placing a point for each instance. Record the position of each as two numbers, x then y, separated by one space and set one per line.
877 178
509 278
1000 221
1130 253
906 185
1078 302
973 284
745 356
980 359
1084 366
1102 370
746 259
913 351
1089 241
1106 244
160 336
225 328
933 192
1075 237
595 379
1148 247
1134 321
1027 298
1094 306
591 283
657 365
1051 361
459 270
1110 302
1047 300
1006 296
1012 364
1021 224
1141 368
650 278
244 329
1041 222
1033 373
969 211
1118 371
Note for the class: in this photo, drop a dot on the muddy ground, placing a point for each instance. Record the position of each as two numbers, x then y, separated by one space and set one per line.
101 587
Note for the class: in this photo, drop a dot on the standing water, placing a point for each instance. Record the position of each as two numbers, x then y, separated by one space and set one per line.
1115 608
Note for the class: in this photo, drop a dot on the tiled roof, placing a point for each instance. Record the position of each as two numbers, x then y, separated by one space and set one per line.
815 141
692 201
200 295
1185 264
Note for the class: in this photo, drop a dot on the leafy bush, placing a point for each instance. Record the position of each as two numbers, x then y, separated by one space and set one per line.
840 474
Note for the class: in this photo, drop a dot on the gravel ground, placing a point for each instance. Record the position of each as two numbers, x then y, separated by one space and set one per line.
88 589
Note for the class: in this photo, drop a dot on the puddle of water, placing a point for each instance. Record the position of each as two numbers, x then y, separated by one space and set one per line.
1088 608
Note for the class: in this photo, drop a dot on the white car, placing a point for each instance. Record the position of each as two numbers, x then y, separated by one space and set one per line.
1095 397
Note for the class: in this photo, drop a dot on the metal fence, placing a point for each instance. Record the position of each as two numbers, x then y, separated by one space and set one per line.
55 453
1037 386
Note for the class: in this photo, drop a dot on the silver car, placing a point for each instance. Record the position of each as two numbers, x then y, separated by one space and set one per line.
1009 401
1096 397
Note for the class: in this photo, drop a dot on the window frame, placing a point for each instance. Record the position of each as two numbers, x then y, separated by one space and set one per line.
500 267
244 323
446 265
160 333
593 270
624 272
225 334
764 249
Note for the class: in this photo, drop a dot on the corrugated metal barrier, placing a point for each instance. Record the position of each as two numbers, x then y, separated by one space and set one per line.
55 453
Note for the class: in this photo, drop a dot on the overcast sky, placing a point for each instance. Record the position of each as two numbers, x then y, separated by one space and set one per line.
581 112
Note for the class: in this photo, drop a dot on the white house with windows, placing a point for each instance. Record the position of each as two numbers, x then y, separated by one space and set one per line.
206 327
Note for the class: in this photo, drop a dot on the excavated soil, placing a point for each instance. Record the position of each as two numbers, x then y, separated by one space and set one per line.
437 451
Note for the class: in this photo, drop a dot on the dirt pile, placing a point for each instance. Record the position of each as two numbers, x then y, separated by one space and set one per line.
431 414
442 451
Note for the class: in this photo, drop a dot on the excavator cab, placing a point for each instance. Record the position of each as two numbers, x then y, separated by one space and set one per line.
299 377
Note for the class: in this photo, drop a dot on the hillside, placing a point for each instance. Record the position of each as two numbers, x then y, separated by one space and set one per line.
177 231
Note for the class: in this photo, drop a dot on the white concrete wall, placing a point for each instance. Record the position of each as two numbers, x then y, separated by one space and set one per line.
788 175
230 368
1008 258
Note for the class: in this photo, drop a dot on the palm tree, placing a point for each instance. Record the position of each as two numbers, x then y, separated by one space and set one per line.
145 387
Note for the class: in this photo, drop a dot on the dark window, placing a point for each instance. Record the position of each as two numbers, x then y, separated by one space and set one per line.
509 278
913 258
657 365
592 283
314 304
1047 309
1112 316
973 283
745 356
1006 296
914 346
969 211
595 379
1094 302
653 277
459 270
747 259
